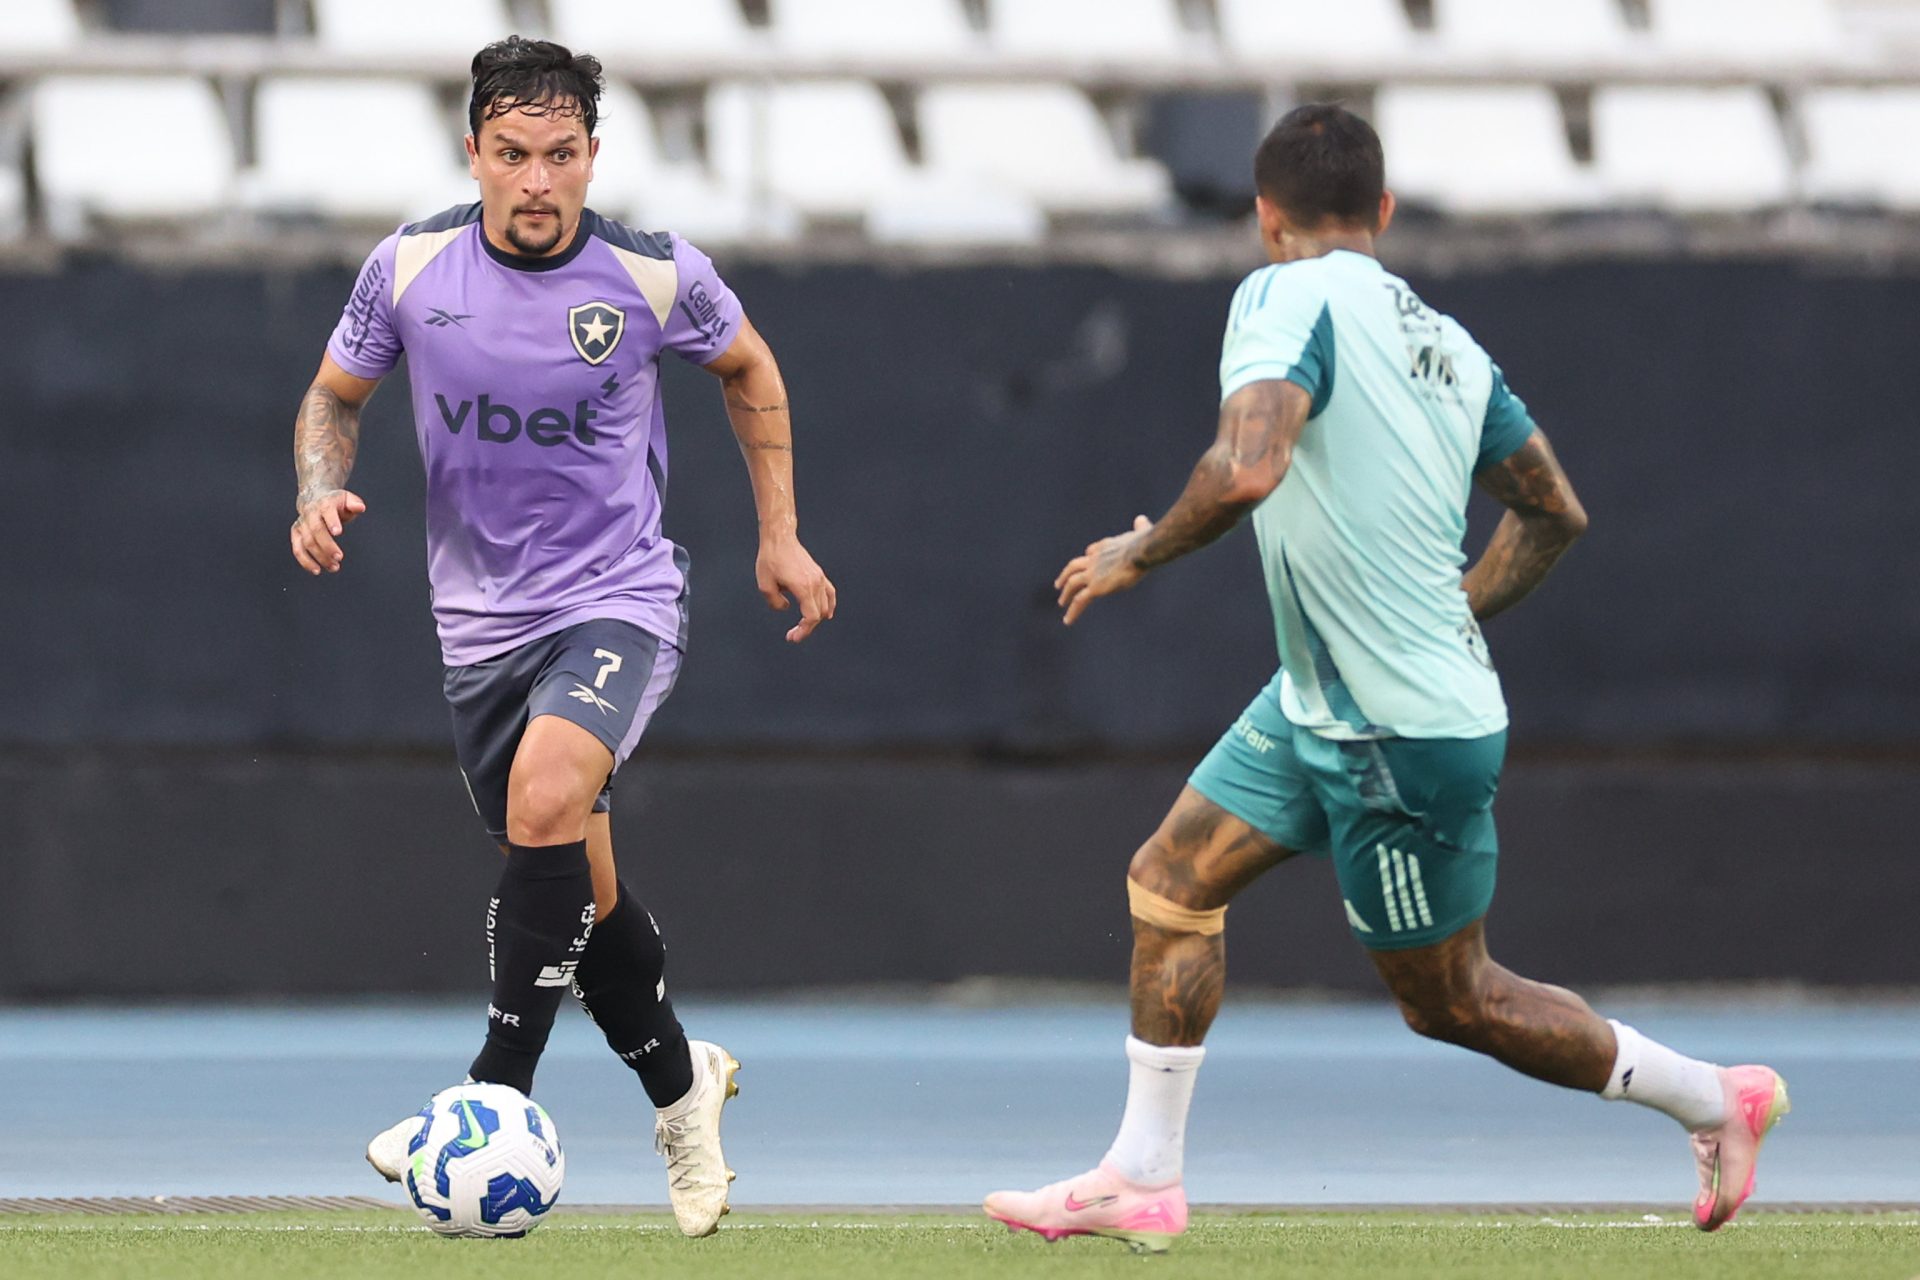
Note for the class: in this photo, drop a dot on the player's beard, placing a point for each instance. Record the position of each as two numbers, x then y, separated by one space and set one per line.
529 245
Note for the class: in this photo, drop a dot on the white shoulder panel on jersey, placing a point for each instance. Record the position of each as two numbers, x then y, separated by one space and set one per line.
414 252
657 279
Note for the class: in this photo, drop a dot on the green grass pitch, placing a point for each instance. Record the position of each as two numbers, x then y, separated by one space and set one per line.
851 1246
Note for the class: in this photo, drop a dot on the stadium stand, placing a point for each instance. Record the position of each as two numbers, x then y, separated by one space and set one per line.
1043 141
1763 33
1112 31
1690 150
874 28
642 32
828 148
1528 32
999 121
401 144
33 26
1850 161
1355 34
423 28
91 165
634 178
1501 149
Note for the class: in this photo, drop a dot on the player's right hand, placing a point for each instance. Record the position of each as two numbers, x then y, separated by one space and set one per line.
318 527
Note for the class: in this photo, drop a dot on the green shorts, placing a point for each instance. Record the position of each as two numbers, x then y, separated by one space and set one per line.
1409 821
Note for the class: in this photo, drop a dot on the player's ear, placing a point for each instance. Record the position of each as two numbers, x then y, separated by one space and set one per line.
1387 205
473 156
593 153
1268 215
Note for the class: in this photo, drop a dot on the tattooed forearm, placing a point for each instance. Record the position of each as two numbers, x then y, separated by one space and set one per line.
325 438
1258 427
756 402
1543 518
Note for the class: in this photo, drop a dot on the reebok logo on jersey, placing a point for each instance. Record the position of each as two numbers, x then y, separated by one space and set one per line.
580 693
441 319
502 424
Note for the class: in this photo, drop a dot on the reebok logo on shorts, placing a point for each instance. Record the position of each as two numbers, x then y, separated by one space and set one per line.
581 693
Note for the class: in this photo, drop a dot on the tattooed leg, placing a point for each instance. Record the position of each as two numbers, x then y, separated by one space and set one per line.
1199 859
1452 991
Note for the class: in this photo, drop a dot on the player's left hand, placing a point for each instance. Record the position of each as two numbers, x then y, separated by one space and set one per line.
784 566
1106 567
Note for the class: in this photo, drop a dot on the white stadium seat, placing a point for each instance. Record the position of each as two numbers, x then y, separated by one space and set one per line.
39 26
625 33
1350 32
1043 141
1690 150
373 149
829 148
90 161
454 29
873 28
1494 150
636 182
1086 30
1854 150
1527 30
1766 32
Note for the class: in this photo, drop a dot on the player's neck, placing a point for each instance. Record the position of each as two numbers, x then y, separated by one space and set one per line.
1298 246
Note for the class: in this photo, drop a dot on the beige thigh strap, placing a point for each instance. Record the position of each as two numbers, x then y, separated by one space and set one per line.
1164 913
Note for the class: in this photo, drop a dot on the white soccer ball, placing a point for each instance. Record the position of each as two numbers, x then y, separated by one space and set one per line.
486 1162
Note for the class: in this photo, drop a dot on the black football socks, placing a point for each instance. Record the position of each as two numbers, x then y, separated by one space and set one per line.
538 925
620 983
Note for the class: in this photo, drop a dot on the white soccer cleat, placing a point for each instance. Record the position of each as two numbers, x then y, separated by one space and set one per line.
697 1173
387 1153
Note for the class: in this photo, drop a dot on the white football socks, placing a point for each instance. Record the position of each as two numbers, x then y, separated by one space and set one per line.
1649 1073
1153 1132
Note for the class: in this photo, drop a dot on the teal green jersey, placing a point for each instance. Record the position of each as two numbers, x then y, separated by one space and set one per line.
1362 540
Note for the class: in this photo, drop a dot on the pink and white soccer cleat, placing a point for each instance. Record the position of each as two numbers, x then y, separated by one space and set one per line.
1100 1202
1728 1155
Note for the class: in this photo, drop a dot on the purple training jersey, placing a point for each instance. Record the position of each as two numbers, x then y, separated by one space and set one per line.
536 400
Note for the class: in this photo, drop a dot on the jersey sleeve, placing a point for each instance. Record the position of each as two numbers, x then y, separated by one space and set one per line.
1507 426
366 342
1280 327
706 316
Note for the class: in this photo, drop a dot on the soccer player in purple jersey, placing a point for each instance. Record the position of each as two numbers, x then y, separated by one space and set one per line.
533 329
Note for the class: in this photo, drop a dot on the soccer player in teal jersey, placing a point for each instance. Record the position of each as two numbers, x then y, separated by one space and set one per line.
1354 420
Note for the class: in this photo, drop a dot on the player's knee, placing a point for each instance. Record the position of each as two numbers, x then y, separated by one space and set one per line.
543 808
1163 893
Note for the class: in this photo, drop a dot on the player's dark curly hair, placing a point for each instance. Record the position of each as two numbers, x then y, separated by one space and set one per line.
535 76
1322 163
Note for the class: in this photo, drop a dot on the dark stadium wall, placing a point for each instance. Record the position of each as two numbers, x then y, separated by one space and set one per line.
154 875
1743 434
213 769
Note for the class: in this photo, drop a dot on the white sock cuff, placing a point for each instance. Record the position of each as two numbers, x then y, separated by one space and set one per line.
1165 1057
1625 1059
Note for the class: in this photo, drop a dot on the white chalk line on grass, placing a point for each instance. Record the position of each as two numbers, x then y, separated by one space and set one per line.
967 1228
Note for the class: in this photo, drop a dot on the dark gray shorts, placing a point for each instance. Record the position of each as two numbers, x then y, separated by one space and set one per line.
607 677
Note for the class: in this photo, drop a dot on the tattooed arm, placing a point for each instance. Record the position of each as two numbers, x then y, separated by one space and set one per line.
325 437
1543 518
756 400
1259 425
